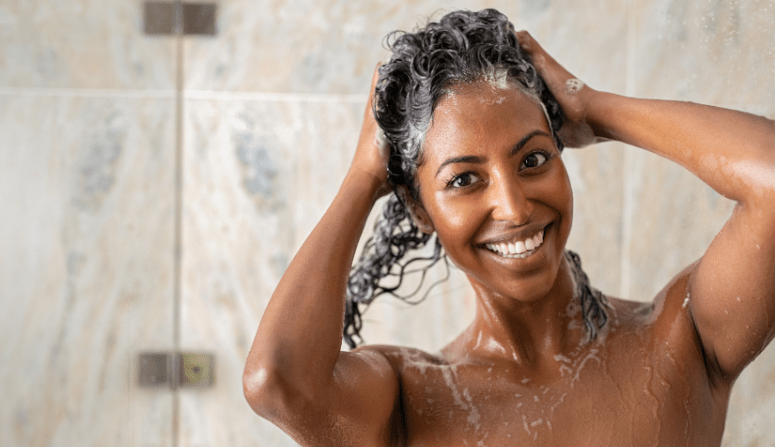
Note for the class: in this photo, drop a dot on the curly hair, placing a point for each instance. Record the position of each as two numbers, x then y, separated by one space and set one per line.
462 47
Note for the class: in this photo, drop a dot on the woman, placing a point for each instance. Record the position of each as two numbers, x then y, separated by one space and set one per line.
474 139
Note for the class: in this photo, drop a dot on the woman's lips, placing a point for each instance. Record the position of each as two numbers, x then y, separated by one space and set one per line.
519 248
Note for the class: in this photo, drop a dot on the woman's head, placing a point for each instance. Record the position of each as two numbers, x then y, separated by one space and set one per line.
463 47
463 52
493 189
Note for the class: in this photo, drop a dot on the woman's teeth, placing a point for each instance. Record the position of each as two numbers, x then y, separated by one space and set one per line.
519 249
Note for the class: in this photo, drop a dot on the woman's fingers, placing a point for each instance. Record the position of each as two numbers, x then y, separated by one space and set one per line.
372 152
379 138
554 74
526 41
571 93
374 79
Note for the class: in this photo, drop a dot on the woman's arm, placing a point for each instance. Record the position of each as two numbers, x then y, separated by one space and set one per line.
732 288
295 374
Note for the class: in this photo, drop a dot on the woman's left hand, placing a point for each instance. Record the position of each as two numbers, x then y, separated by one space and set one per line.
571 93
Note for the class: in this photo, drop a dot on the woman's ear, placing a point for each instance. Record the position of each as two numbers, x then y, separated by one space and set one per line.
416 210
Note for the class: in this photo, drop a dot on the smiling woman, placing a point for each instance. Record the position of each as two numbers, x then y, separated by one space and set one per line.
475 118
434 74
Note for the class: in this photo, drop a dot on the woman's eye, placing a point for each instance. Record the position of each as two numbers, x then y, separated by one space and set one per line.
462 180
534 160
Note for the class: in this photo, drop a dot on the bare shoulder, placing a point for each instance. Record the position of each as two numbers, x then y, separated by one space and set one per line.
664 325
667 307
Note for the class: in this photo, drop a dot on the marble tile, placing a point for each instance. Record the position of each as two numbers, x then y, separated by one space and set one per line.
82 44
573 33
86 271
333 46
674 218
597 177
258 176
720 53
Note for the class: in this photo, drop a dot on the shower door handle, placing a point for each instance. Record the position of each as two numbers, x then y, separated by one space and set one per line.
173 370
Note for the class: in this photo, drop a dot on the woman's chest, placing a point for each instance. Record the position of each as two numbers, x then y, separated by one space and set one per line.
591 399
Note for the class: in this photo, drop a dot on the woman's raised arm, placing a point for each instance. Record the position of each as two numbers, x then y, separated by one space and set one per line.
732 287
295 374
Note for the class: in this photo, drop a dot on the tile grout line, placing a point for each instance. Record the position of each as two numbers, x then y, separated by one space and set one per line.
276 97
287 97
187 94
88 92
178 221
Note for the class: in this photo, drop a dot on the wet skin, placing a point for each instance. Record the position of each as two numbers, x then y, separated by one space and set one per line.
523 373
491 173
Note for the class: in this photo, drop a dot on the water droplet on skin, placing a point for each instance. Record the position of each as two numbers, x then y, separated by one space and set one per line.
478 340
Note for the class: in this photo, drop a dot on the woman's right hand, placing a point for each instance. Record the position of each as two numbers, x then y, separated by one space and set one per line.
373 150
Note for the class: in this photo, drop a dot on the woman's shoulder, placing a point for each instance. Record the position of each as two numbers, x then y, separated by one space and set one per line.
664 322
668 304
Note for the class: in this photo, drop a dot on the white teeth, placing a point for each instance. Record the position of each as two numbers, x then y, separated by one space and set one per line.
518 249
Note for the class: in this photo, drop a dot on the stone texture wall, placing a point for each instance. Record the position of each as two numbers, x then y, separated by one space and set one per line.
270 115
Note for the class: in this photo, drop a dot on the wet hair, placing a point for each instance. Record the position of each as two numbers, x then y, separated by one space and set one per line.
462 47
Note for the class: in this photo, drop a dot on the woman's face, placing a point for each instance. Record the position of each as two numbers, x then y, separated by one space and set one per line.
494 188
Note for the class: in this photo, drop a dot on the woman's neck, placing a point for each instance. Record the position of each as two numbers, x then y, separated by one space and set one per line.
532 333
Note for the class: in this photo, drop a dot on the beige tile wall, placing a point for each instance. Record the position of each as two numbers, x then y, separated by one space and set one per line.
271 115
86 276
87 135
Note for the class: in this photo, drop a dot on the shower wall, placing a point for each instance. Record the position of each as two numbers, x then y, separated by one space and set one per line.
271 107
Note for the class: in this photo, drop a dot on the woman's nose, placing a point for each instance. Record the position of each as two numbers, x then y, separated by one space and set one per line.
509 202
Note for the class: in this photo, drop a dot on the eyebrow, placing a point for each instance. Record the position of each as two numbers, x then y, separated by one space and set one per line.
478 160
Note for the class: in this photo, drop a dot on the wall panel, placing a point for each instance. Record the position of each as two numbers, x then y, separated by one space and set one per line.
86 276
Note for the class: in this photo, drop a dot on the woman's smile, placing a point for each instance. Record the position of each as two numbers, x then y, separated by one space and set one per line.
519 249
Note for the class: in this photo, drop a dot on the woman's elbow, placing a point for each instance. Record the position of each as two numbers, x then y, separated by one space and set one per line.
272 396
263 391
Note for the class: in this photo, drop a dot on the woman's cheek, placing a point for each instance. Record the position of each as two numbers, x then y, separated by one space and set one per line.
456 219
